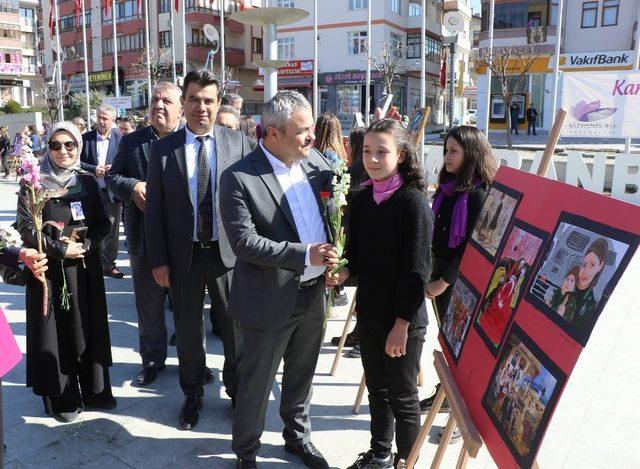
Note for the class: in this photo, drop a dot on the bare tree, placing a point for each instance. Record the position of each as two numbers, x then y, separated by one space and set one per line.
510 66
53 97
159 63
390 62
230 78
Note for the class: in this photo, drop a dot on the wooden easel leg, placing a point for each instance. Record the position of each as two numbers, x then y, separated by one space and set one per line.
356 405
343 339
444 441
463 458
420 378
424 431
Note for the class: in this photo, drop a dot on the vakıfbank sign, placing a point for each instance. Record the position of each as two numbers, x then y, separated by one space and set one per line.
614 59
601 104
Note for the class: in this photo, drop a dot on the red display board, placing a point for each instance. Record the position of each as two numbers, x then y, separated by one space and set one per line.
543 260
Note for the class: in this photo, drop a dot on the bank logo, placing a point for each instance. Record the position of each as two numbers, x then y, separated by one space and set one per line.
591 112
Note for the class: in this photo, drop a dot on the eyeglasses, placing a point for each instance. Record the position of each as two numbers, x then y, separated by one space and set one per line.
57 146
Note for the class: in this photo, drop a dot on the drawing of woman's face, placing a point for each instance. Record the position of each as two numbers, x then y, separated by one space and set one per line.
591 266
569 284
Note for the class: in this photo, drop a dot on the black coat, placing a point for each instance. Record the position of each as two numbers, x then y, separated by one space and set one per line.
129 167
89 155
57 342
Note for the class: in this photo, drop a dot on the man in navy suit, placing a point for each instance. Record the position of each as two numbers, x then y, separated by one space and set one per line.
99 148
127 180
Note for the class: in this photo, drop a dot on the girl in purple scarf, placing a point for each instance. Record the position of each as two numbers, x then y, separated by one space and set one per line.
468 169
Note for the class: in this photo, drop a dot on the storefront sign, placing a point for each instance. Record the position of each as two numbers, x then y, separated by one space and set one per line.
294 68
602 104
11 82
123 102
613 59
76 83
348 78
104 77
135 74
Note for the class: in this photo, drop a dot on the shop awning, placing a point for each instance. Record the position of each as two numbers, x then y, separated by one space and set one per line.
290 82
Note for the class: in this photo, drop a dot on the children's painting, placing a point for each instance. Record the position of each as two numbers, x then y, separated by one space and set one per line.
582 266
455 324
521 395
494 220
508 282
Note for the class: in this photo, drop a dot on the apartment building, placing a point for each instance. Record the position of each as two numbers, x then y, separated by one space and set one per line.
19 67
130 32
597 35
342 57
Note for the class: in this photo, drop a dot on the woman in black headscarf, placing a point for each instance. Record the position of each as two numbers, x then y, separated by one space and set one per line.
68 349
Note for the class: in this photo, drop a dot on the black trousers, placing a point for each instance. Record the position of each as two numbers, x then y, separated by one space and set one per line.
298 343
187 296
4 160
393 388
531 125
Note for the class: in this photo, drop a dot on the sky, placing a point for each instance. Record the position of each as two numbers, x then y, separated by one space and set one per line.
475 5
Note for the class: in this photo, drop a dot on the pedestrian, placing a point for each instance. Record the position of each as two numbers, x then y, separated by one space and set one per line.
248 127
80 124
514 109
99 148
234 100
272 214
187 244
5 151
127 180
35 139
229 117
392 313
127 125
68 350
463 182
532 114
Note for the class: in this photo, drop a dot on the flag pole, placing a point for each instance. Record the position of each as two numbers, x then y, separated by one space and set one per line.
59 60
86 64
148 47
114 18
222 47
184 39
368 80
492 11
173 45
556 64
423 69
316 111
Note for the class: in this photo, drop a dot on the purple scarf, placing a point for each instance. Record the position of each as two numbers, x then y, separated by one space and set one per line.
458 229
385 189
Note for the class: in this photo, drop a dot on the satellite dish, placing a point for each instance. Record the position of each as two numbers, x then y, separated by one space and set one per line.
211 33
453 21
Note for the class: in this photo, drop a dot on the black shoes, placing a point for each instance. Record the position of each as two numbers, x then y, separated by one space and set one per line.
172 340
310 455
190 413
370 460
99 402
147 375
425 404
350 341
246 464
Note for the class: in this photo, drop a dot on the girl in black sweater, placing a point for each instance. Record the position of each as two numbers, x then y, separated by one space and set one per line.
388 249
463 182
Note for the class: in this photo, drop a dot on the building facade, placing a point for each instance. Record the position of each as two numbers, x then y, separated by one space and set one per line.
596 35
19 66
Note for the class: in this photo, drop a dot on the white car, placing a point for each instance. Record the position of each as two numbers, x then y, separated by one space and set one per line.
470 118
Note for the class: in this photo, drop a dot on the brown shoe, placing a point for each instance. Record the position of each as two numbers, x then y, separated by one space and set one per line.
113 273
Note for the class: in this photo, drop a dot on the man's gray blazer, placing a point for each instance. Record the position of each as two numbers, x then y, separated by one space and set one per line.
169 213
262 233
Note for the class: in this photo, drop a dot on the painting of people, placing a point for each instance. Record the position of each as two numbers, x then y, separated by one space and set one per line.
455 323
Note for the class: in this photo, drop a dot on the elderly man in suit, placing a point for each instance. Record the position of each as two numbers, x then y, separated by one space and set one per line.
272 213
99 148
188 247
127 180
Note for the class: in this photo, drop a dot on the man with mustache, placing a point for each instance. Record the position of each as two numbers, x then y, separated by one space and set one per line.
127 179
188 247
272 214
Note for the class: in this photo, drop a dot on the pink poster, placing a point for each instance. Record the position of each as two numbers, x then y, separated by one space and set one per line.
9 352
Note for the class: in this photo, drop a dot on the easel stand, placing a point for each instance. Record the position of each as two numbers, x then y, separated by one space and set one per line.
459 416
345 331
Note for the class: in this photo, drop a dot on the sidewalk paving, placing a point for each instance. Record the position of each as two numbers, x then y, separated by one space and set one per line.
595 425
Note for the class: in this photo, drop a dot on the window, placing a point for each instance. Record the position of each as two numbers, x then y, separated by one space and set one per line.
126 11
256 45
357 43
130 42
8 6
163 6
165 39
286 48
26 17
396 44
589 14
433 48
415 9
510 15
358 4
534 19
68 22
28 40
610 10
198 38
395 6
286 4
211 6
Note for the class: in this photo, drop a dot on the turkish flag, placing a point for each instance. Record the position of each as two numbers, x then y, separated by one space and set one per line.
107 7
139 7
443 71
176 5
77 11
51 23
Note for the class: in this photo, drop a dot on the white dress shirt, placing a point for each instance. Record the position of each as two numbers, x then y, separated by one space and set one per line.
191 149
102 148
304 208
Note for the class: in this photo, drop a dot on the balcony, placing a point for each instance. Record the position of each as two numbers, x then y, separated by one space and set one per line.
542 36
198 51
14 43
11 68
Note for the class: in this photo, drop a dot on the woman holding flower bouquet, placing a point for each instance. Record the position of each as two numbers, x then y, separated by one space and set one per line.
68 346
388 249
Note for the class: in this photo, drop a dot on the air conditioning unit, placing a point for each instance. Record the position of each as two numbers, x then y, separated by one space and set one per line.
536 34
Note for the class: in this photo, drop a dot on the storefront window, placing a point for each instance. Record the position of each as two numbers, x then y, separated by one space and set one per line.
348 102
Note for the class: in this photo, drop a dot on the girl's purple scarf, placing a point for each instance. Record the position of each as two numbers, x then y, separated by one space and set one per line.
458 228
385 189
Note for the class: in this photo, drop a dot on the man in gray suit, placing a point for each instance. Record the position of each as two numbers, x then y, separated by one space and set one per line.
188 247
99 148
271 210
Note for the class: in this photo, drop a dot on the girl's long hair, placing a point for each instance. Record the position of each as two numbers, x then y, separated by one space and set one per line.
410 168
329 135
356 167
479 162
